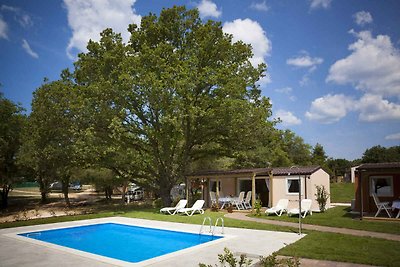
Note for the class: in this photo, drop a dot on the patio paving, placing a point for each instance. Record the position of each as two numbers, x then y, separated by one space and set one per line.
16 251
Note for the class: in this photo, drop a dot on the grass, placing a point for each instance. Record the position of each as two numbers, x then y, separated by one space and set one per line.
342 192
316 245
340 217
344 248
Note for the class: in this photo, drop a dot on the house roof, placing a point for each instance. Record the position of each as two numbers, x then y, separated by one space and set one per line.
384 165
279 171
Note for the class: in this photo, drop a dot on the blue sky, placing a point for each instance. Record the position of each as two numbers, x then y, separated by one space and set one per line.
333 65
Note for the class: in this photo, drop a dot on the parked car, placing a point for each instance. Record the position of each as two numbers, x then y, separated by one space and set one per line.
75 186
55 186
134 193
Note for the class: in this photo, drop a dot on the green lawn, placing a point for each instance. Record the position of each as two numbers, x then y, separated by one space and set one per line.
342 192
340 217
316 245
344 248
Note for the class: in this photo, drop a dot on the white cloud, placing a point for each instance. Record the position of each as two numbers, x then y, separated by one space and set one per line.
250 32
371 108
304 61
28 49
314 4
373 66
3 29
87 18
374 108
362 18
330 108
208 8
287 91
20 15
284 90
395 136
260 6
287 117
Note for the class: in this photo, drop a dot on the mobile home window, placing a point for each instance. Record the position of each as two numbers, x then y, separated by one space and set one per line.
292 185
381 185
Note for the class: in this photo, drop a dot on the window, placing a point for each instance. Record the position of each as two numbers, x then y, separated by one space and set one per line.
292 185
381 185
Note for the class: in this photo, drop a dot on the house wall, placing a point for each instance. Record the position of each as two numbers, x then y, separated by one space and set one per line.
228 187
308 189
319 177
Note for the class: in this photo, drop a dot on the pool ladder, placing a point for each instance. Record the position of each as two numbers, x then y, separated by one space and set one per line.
212 229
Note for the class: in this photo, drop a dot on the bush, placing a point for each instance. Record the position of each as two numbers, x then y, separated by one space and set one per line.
158 203
229 258
273 261
257 207
322 197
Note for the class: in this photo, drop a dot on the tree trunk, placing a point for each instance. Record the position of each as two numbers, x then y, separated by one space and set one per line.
165 192
125 185
4 196
65 184
43 189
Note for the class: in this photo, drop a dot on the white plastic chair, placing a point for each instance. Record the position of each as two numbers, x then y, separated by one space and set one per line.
305 208
246 202
381 205
239 201
172 210
280 207
213 198
197 207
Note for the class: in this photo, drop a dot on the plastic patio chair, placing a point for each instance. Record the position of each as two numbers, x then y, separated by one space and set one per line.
280 207
172 210
246 202
381 205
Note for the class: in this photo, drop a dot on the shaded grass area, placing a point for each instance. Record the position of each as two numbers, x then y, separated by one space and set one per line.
340 217
345 248
342 192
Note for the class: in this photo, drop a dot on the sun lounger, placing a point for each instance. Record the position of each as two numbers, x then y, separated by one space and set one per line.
197 207
172 210
305 208
280 207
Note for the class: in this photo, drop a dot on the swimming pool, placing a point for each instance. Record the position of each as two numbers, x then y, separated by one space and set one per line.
119 241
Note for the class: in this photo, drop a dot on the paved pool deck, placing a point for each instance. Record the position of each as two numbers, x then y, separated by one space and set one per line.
21 251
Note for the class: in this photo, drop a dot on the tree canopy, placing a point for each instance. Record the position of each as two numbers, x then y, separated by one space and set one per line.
12 121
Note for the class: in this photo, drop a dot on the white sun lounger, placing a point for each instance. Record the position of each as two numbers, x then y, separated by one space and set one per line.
172 210
197 207
305 208
280 207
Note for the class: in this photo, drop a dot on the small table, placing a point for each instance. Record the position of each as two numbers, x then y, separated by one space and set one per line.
228 200
396 205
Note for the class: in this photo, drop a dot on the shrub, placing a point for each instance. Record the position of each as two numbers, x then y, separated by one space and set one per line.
257 207
158 203
273 261
228 259
322 197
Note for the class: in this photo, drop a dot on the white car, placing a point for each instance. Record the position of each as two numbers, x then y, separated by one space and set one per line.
134 193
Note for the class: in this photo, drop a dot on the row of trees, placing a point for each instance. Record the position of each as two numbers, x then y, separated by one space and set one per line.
179 96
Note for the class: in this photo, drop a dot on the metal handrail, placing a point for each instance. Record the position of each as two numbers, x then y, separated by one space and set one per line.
216 224
202 225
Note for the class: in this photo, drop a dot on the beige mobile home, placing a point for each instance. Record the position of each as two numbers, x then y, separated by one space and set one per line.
266 184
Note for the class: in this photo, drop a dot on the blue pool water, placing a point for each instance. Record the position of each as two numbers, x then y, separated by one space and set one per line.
119 241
